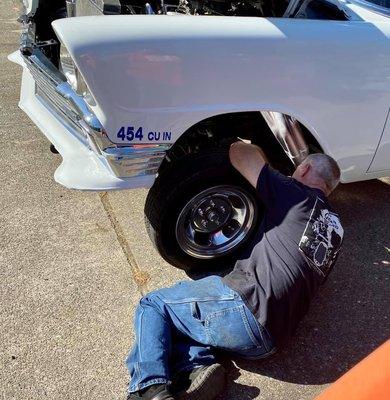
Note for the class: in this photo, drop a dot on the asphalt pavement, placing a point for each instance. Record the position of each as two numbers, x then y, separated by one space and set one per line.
73 266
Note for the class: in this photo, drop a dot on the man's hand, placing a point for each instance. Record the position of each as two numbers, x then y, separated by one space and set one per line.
248 160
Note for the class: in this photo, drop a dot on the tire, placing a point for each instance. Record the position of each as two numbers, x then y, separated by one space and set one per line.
179 189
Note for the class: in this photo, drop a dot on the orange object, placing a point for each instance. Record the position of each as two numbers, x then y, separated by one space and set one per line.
367 380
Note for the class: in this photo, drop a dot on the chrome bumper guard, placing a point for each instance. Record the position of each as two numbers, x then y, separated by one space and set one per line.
70 108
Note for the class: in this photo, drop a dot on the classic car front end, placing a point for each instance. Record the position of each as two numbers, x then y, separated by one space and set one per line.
56 99
126 98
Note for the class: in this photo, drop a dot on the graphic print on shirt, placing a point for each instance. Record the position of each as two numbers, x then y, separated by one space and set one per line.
322 238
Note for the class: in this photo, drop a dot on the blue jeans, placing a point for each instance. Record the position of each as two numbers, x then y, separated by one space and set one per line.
179 328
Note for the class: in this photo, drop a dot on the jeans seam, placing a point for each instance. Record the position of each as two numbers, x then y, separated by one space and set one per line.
207 330
248 327
140 386
199 300
221 312
261 331
140 333
268 341
138 372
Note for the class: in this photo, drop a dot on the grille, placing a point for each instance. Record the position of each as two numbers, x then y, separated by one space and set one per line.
69 108
46 89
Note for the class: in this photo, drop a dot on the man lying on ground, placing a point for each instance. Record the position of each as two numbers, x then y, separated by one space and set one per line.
253 310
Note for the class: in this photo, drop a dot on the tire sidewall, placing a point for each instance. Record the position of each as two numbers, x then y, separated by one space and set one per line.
172 205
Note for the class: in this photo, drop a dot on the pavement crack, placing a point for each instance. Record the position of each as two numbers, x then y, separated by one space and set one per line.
140 277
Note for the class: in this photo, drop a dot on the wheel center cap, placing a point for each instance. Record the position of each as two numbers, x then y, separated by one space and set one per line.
211 214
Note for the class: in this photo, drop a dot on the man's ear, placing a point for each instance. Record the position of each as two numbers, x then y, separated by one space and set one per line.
304 169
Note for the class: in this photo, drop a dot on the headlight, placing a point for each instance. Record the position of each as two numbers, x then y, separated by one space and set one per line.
73 76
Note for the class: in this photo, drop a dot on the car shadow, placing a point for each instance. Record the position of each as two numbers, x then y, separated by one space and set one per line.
350 316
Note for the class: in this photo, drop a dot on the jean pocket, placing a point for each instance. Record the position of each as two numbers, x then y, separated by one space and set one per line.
229 329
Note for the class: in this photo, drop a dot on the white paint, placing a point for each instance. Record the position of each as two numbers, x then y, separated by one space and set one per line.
81 168
166 74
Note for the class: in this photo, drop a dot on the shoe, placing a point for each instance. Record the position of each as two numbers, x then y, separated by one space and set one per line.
154 392
202 383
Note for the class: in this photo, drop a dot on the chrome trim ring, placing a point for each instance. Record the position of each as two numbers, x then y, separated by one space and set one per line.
228 235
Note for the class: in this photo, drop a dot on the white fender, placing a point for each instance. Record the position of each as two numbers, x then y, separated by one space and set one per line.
164 74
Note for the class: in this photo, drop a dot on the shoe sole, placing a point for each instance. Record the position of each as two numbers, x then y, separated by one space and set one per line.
207 386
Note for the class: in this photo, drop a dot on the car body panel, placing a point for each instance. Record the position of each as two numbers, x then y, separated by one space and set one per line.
165 74
81 168
381 159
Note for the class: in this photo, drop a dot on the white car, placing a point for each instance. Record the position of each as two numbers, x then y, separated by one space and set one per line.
154 100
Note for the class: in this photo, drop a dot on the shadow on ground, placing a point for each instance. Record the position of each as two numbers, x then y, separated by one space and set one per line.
350 316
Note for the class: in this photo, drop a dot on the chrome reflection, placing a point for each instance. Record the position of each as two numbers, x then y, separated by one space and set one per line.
289 134
215 221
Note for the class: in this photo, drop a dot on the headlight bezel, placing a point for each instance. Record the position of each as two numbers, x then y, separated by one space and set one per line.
72 74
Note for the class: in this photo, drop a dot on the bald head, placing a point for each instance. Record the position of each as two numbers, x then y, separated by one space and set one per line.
319 170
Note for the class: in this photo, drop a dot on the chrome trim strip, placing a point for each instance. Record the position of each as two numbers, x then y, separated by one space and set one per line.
67 92
136 160
58 95
371 6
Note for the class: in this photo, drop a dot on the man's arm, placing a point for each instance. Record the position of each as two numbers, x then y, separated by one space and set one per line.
248 160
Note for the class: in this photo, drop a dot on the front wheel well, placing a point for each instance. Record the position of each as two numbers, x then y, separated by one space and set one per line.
221 130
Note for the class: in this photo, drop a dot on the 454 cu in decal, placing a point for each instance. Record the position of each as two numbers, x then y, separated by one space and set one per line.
131 133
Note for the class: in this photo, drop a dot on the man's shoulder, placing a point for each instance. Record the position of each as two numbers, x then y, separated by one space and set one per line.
270 177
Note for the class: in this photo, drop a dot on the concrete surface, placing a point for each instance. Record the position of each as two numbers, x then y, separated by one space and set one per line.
69 281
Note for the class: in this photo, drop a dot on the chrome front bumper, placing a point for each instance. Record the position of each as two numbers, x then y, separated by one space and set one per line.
71 109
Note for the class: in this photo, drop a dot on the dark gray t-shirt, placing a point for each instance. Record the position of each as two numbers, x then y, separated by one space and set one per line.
292 253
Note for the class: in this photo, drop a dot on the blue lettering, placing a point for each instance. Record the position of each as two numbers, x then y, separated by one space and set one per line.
130 133
139 134
121 133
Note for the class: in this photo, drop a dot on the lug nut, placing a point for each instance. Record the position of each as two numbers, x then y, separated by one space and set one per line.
211 216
